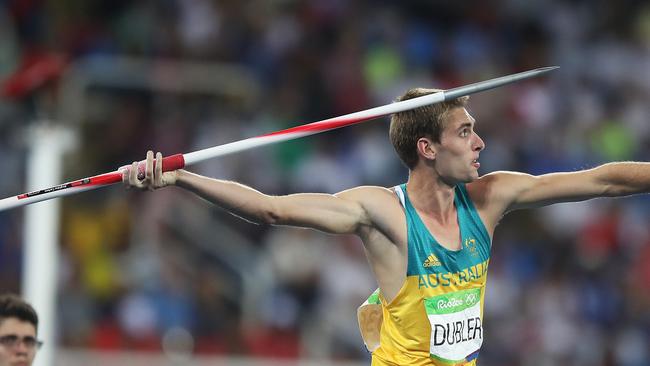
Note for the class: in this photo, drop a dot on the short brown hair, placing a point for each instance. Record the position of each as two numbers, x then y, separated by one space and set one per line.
12 306
427 121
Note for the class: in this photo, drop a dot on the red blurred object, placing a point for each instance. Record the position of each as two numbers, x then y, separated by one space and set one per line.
598 239
641 270
35 71
107 336
211 345
274 343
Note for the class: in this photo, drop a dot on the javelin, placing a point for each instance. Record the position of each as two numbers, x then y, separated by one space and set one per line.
179 161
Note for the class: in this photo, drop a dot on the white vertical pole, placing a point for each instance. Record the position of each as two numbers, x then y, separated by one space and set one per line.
47 144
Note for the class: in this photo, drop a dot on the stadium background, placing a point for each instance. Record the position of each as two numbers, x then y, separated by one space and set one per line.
165 276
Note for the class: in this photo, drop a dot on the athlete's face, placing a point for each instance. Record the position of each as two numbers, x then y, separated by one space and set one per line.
18 346
456 156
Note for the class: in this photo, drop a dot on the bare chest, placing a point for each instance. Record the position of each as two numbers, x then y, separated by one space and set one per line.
446 234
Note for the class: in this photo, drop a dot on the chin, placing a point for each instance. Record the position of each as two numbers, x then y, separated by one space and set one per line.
474 176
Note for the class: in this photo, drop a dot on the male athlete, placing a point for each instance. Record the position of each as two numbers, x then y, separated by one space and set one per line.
428 240
18 326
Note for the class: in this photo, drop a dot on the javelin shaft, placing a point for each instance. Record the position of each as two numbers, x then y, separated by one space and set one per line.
181 160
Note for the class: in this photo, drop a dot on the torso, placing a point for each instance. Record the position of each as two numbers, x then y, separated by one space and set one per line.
388 251
386 243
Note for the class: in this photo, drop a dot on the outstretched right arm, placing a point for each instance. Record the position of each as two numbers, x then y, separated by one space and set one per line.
341 213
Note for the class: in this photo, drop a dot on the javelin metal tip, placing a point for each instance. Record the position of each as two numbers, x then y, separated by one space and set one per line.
547 68
496 82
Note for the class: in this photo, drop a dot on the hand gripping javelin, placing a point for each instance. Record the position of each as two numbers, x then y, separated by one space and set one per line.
179 161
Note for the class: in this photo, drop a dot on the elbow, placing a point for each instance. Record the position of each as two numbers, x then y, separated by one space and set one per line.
260 217
269 218
623 189
259 212
622 179
270 213
612 190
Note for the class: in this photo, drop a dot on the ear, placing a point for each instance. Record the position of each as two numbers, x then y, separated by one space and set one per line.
426 148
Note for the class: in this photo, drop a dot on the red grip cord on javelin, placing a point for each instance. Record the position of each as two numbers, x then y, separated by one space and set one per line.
172 162
169 163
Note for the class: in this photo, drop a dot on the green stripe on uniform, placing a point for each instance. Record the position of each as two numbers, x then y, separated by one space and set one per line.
374 298
446 361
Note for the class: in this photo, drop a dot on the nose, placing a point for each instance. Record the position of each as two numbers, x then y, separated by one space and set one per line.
479 144
21 348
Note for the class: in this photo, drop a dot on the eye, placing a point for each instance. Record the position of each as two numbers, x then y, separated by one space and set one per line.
30 342
464 132
9 340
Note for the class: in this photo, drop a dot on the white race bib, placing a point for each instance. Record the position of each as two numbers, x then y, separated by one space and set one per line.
456 330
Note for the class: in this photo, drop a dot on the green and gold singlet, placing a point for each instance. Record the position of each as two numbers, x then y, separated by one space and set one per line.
436 317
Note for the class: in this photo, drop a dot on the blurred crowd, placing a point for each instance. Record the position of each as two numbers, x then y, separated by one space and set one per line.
568 284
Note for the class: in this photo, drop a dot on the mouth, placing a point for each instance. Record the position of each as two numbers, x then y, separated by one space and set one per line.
476 164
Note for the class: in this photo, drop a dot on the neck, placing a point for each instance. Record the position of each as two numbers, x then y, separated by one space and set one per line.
431 196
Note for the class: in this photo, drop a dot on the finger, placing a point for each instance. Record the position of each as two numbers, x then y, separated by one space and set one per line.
158 173
133 175
148 170
125 178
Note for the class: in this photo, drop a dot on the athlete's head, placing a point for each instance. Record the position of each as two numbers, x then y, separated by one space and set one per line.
440 134
18 327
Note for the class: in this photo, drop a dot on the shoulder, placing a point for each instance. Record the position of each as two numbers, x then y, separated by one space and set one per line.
493 193
380 204
364 193
372 199
496 186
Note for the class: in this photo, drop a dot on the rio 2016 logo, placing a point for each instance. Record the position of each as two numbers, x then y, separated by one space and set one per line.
471 299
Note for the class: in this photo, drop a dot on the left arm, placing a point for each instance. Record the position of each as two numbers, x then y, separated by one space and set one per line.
500 192
608 180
